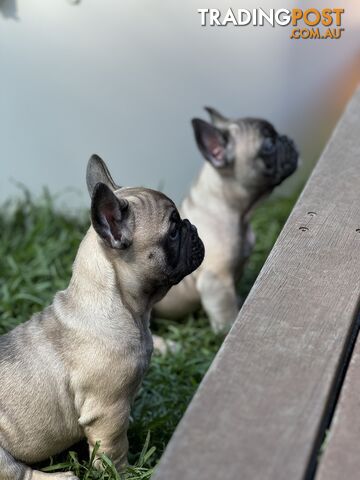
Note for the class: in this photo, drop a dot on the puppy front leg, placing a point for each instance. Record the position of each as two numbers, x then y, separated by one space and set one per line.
109 428
219 299
164 345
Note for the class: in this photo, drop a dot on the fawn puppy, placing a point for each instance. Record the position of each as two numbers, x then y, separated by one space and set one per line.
72 371
245 160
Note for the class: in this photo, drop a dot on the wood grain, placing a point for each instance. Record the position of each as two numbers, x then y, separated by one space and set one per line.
341 458
263 406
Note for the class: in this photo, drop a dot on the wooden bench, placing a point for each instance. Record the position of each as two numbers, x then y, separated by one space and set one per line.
267 401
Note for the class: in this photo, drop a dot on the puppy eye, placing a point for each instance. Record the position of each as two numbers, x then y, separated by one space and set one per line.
268 146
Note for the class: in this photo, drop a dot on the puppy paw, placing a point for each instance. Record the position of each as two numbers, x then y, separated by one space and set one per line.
53 476
64 476
164 346
60 476
70 476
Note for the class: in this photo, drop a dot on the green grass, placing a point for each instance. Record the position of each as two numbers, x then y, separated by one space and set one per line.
37 248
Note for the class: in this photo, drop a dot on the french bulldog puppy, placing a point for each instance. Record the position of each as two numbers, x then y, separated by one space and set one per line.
71 371
246 160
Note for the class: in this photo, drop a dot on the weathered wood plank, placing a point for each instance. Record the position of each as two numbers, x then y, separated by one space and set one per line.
341 458
262 408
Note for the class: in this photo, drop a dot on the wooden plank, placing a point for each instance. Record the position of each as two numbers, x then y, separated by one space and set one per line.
341 458
263 406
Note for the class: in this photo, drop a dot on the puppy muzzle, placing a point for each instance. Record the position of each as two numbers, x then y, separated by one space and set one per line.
192 252
197 247
284 162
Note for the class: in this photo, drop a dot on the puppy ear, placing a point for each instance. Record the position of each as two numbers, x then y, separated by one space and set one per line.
216 118
212 143
109 216
96 172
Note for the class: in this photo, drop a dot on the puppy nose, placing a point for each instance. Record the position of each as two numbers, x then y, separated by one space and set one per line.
191 228
290 143
194 233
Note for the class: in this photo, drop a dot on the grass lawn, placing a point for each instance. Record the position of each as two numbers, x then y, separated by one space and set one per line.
37 248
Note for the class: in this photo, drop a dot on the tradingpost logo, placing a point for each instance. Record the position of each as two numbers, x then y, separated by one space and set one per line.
305 24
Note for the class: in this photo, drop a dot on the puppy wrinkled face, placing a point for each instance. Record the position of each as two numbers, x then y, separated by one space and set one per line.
142 231
143 227
249 150
184 251
276 156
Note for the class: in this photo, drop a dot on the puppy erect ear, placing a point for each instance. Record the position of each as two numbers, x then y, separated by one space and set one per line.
217 119
96 172
212 143
109 216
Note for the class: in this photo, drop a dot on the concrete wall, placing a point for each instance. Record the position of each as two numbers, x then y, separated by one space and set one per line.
123 78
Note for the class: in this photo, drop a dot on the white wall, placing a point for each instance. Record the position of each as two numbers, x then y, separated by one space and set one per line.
123 78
